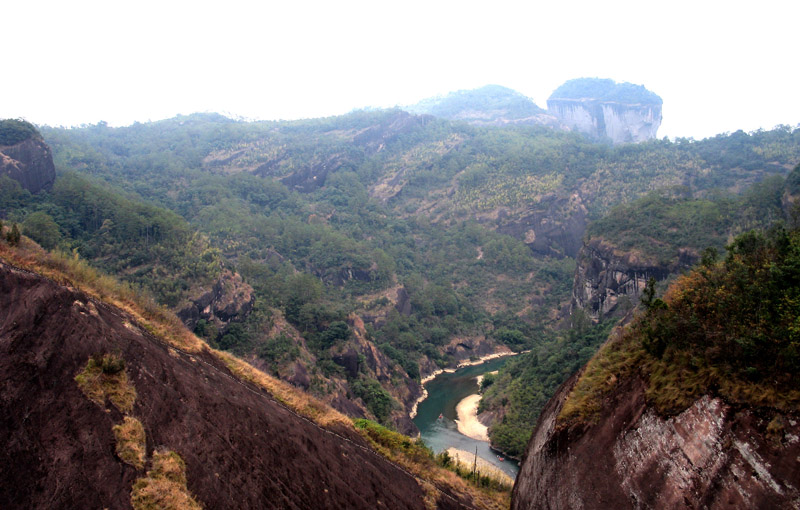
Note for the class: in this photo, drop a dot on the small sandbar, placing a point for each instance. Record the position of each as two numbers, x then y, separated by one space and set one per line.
484 467
467 421
484 359
480 377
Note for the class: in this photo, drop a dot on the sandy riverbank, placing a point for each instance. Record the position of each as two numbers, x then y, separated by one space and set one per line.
480 377
465 363
424 395
484 359
467 420
466 459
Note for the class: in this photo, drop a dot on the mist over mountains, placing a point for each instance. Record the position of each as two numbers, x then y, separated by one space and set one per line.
349 257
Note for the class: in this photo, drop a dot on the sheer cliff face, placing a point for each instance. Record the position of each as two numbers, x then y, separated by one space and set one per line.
554 226
608 282
229 299
619 122
30 163
712 455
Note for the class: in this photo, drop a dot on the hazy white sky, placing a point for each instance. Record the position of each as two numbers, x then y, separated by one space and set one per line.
719 66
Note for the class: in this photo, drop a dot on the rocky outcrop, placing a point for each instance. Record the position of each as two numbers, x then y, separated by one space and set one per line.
554 226
603 109
462 348
379 367
711 455
609 282
241 447
229 299
621 123
403 304
30 163
370 140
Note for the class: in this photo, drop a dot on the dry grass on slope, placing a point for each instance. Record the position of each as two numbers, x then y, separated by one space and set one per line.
131 442
160 489
416 458
302 403
164 487
71 271
104 377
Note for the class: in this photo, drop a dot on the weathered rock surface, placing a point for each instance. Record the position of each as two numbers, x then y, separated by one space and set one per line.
229 298
790 200
463 348
554 226
370 140
378 366
619 122
30 163
604 109
242 449
712 455
609 282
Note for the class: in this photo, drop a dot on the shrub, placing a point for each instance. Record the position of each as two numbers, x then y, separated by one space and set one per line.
104 377
394 441
13 131
164 487
131 444
41 227
377 399
729 328
13 235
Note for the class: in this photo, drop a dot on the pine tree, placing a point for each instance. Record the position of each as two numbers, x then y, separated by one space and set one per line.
13 235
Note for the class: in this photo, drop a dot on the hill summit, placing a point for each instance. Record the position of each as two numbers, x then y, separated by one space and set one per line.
24 157
603 108
490 105
599 108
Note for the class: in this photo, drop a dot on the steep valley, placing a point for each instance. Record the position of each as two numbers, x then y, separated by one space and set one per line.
694 404
240 440
353 256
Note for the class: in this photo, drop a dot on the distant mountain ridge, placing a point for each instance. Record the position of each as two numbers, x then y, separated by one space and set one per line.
490 105
598 108
605 90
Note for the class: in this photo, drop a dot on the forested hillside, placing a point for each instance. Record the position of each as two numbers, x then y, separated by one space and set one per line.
699 391
729 327
379 245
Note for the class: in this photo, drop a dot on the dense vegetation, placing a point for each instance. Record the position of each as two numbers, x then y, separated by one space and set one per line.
476 103
729 327
146 245
332 217
605 90
663 222
520 390
13 131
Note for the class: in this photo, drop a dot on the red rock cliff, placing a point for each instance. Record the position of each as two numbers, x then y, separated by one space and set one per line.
712 455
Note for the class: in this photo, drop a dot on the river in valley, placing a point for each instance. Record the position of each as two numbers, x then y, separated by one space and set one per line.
444 393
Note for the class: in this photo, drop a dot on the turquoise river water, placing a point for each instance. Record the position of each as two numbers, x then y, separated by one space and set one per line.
444 393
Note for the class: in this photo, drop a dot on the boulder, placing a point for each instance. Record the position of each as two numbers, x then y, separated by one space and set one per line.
30 163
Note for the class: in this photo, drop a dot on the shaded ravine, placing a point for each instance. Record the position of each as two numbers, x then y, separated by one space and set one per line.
445 391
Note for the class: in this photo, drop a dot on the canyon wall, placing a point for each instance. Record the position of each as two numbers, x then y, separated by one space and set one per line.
711 455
